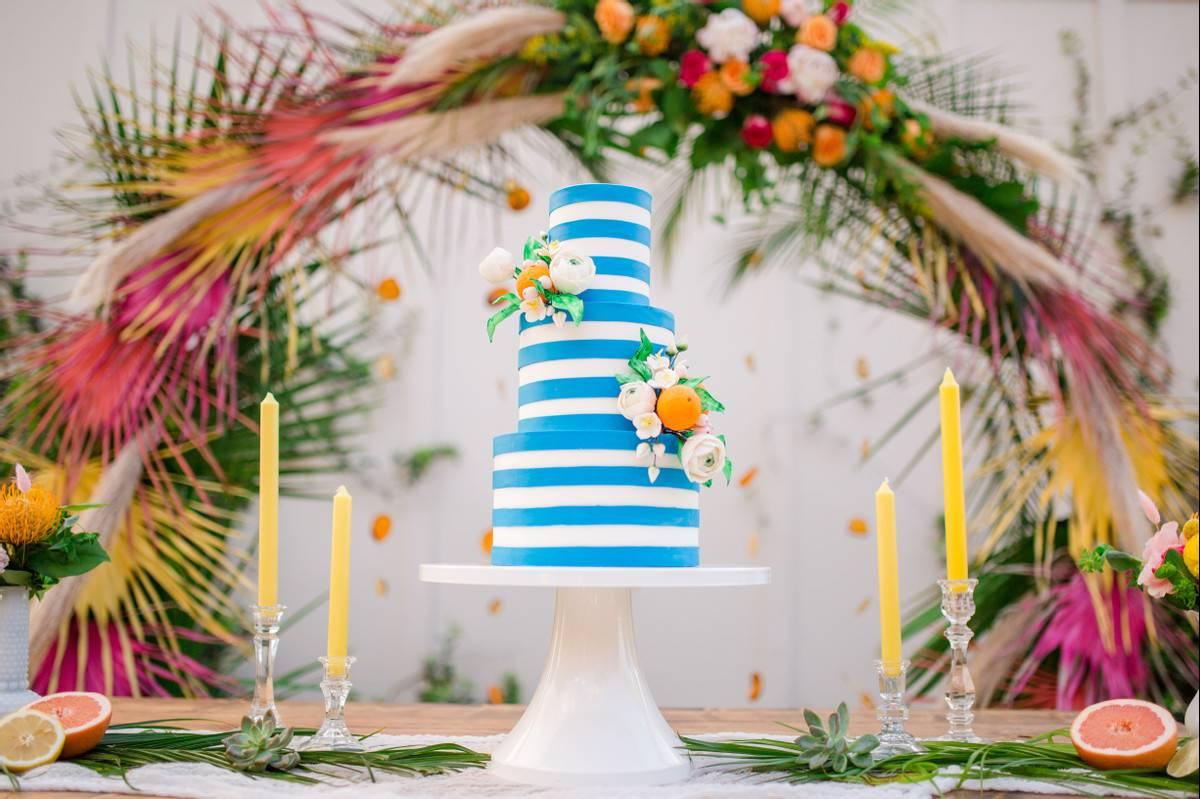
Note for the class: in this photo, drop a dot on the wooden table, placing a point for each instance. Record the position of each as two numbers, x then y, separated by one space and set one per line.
493 719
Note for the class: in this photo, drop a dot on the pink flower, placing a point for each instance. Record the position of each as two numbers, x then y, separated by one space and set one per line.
756 131
22 479
794 12
839 112
1149 508
1166 539
3 559
692 65
839 12
774 67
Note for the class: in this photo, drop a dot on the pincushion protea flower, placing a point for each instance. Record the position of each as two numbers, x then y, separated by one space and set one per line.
28 516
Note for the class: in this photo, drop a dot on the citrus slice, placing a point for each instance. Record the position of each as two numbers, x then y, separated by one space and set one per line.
1125 734
28 739
1186 761
84 717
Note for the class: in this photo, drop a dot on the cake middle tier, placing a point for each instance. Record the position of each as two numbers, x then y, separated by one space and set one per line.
566 374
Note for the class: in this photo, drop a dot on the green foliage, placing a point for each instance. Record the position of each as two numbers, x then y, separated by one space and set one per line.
827 749
416 464
440 681
62 553
1173 569
258 746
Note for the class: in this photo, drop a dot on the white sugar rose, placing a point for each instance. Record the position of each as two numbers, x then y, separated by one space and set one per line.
729 35
571 273
811 73
498 266
794 12
533 305
635 399
703 457
647 425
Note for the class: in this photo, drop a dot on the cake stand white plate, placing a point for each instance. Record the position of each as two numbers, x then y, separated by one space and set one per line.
592 720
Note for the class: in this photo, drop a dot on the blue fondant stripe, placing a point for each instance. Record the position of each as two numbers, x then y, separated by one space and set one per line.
600 192
579 439
625 267
589 476
568 388
575 421
572 515
627 557
616 312
600 229
612 295
567 350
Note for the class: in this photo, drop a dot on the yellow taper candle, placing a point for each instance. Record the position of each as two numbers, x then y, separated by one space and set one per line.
889 580
952 480
268 501
339 583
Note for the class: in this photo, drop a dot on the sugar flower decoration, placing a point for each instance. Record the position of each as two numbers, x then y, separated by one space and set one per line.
703 457
533 306
730 34
636 399
664 378
647 425
571 273
657 362
497 266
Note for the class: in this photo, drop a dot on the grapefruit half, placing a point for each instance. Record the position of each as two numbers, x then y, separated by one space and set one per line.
1125 734
28 739
84 717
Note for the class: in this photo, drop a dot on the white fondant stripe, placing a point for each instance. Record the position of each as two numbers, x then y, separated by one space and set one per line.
600 209
593 331
554 458
562 407
613 535
578 367
577 496
619 283
610 248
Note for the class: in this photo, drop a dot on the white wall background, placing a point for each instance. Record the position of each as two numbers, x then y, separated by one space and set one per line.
776 347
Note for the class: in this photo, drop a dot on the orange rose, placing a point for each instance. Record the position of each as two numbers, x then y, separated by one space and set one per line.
918 140
614 18
761 11
792 129
644 103
818 31
829 145
652 35
882 99
867 64
711 96
734 74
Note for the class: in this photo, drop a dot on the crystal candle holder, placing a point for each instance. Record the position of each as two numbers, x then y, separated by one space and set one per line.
335 687
893 712
958 606
266 642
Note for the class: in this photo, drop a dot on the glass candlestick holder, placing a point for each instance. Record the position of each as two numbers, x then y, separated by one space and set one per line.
958 606
335 686
266 641
893 712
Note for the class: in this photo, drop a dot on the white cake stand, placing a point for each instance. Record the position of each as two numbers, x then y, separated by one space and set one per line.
592 720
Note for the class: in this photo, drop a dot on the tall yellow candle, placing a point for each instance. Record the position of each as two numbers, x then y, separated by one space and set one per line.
339 583
952 480
889 579
268 501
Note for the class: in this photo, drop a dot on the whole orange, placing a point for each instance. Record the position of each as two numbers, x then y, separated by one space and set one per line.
679 407
528 275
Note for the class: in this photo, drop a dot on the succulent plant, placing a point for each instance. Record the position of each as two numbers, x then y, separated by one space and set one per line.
828 748
259 746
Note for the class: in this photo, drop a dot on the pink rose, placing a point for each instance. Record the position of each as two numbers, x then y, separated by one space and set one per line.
692 65
774 69
756 131
1166 539
839 112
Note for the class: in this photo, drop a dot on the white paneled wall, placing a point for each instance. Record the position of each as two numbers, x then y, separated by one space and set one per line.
777 349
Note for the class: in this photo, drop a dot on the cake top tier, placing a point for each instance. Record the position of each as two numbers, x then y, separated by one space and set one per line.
610 223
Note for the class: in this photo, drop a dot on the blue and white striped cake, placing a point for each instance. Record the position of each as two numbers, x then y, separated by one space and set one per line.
568 489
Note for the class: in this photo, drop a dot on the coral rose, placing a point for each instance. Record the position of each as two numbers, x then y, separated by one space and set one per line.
792 129
615 19
735 74
868 65
711 95
818 31
761 11
652 35
829 145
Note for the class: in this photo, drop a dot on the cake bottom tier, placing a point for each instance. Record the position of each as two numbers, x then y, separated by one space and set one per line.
583 498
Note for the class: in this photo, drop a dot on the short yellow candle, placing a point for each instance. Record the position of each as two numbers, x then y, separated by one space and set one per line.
889 580
268 501
952 480
339 584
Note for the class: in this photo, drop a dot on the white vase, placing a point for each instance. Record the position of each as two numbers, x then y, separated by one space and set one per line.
1191 718
14 649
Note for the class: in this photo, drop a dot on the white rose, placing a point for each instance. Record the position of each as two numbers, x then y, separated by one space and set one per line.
729 35
664 378
794 12
703 457
647 425
571 273
498 266
811 73
3 559
635 399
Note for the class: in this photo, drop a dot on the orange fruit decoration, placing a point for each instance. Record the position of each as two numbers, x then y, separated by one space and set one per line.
84 717
760 11
28 739
388 290
494 295
530 274
1125 734
381 527
516 195
679 408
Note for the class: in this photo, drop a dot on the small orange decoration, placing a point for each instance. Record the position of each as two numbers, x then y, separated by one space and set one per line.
756 686
652 35
381 587
516 195
385 367
760 11
866 701
862 368
864 449
862 606
388 290
711 96
381 527
829 145
614 18
753 544
528 275
748 476
495 294
495 695
751 362
735 75
818 31
867 64
679 408
495 606
644 103
858 526
792 129
485 542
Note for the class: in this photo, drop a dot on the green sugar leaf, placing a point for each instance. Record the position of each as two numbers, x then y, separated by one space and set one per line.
500 316
569 303
708 402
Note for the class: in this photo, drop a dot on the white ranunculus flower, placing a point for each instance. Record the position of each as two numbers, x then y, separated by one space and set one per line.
794 12
498 266
533 305
647 425
729 35
572 273
703 457
811 73
635 399
656 362
664 378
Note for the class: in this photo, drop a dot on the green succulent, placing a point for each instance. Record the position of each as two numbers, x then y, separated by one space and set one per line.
259 746
828 748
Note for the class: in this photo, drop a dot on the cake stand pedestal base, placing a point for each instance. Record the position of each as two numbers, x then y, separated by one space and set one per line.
592 719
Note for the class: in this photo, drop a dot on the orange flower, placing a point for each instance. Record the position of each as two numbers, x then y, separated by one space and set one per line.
882 99
381 528
918 140
829 145
734 74
792 129
644 103
516 195
711 95
818 31
761 11
388 290
614 18
652 35
867 64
